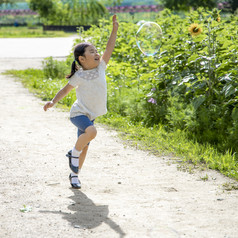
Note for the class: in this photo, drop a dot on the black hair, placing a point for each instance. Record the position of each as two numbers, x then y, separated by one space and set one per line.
79 50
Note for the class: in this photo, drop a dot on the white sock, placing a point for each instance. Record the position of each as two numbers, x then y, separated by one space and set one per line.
75 177
75 153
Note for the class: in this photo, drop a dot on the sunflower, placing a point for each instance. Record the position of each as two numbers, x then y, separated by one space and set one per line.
195 29
218 18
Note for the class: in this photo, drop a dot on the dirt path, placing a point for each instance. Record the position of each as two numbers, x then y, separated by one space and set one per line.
125 192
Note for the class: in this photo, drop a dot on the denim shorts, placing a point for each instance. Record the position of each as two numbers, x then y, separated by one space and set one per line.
82 123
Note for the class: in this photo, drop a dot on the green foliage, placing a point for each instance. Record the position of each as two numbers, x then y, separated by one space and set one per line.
85 12
187 4
45 8
190 85
112 2
175 143
74 12
55 69
6 2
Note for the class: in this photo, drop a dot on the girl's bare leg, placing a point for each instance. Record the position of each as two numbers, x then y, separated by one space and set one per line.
85 138
82 145
83 156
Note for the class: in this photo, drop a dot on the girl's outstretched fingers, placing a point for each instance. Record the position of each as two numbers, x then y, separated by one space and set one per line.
114 21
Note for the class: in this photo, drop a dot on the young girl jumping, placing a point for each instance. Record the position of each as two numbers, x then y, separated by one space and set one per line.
88 76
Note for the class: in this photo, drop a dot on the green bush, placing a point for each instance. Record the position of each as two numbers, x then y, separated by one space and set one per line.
190 85
55 69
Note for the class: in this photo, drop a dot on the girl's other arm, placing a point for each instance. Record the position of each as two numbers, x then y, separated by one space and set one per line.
112 40
61 94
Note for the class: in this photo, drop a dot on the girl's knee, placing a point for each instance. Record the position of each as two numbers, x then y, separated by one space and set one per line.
91 131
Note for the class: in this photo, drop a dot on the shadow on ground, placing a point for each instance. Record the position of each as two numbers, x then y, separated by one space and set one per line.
86 214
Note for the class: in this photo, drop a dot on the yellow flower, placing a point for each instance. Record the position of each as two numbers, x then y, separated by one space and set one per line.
218 18
195 29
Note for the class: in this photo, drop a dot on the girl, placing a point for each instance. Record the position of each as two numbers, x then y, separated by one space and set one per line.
91 92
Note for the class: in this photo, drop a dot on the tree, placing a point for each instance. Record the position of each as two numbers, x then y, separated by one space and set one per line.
85 12
43 7
203 3
69 12
6 2
186 4
112 2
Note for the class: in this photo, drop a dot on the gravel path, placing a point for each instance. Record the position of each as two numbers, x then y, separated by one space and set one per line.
125 192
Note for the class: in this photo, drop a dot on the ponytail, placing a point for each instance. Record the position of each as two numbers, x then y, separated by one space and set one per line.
78 51
73 70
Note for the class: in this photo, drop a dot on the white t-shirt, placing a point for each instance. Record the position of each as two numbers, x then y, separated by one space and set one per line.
91 92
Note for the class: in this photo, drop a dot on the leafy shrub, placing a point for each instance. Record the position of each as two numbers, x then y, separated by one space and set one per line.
54 68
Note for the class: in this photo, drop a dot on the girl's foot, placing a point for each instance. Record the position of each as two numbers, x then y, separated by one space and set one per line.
74 181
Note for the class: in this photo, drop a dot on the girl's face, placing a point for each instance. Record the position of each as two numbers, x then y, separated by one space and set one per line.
91 58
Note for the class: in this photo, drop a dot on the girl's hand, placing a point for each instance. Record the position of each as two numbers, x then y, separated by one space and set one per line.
114 22
111 41
61 94
48 105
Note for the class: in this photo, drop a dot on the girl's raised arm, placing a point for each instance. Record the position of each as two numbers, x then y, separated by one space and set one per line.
112 40
61 94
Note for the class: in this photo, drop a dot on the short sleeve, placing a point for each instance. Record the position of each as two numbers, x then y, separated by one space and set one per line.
74 80
103 65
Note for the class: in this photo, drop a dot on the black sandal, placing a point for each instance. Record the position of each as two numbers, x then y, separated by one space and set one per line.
75 185
75 169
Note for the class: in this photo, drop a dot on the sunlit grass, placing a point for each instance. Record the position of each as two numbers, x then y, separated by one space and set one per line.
158 141
23 32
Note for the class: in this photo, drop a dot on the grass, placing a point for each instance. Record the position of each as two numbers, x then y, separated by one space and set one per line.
26 32
158 141
155 139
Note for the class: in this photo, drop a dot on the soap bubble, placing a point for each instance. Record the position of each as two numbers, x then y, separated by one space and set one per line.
139 23
148 38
